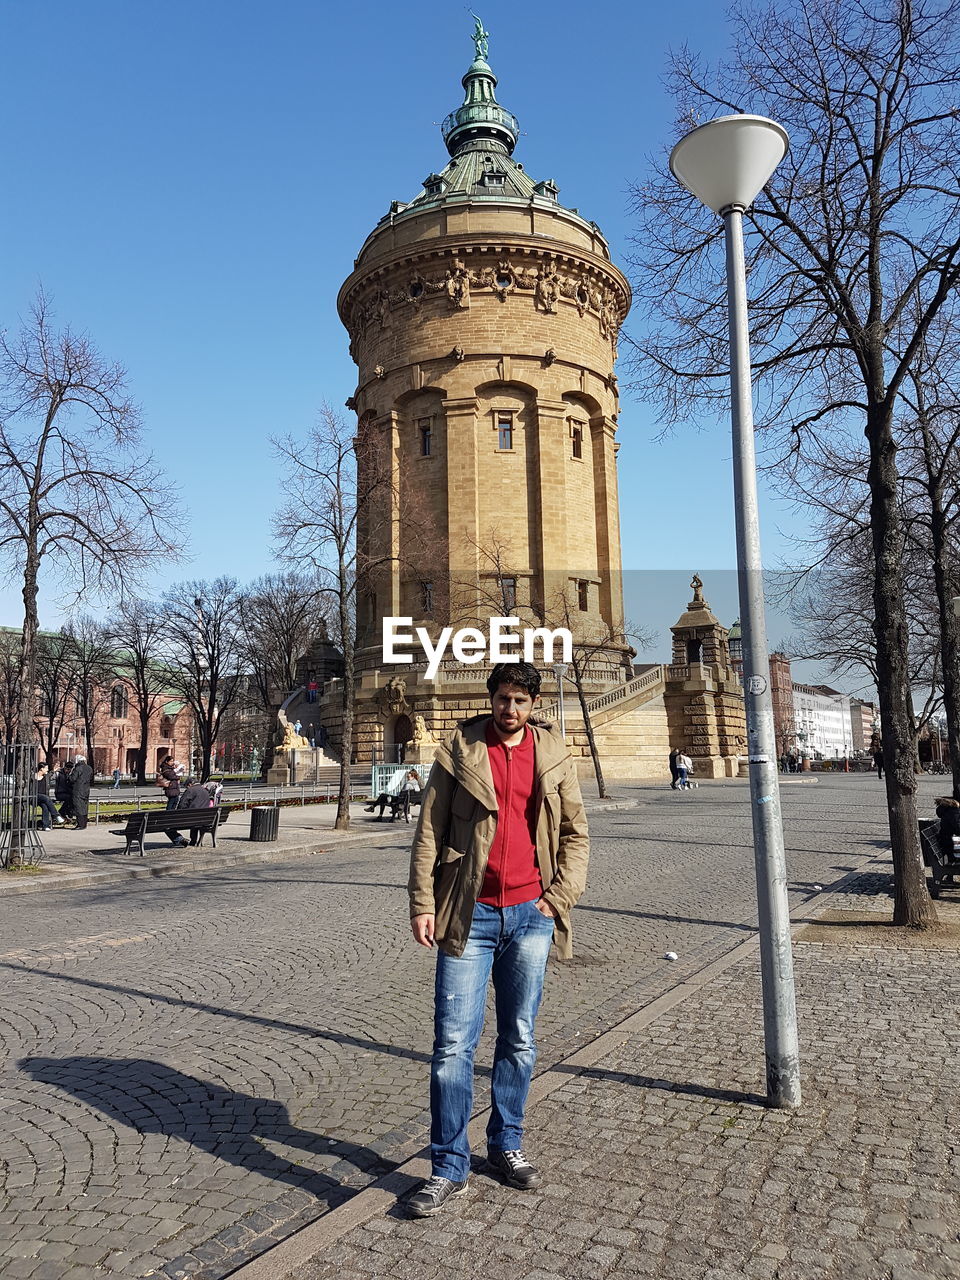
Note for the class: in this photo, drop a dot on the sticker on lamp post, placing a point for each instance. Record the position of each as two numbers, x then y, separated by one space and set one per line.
756 685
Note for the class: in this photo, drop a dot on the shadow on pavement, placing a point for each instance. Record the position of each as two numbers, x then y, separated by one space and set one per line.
294 1028
672 919
150 1097
670 1086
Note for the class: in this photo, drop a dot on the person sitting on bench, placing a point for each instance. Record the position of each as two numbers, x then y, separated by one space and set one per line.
195 796
948 811
401 780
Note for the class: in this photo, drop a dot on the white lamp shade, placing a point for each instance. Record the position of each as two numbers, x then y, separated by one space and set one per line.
729 160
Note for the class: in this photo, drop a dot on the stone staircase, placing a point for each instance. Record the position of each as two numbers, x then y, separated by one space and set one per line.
629 724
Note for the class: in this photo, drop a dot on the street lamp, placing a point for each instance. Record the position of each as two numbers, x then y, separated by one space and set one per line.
560 670
725 164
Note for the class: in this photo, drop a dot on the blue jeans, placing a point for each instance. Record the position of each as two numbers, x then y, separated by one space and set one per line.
681 778
512 944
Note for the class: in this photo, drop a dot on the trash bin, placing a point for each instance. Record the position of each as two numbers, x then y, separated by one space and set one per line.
264 822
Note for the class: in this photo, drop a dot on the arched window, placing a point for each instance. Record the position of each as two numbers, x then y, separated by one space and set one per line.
119 704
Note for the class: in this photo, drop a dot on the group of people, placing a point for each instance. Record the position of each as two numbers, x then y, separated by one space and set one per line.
71 783
182 792
71 791
681 767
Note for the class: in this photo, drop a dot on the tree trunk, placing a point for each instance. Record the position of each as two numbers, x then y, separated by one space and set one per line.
88 729
144 743
342 822
912 903
949 628
26 702
588 729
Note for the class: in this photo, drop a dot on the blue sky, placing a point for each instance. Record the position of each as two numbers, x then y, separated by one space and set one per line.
190 182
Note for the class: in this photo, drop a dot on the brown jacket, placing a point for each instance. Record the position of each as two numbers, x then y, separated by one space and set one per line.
458 819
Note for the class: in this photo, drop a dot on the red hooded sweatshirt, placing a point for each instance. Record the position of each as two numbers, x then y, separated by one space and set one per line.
512 873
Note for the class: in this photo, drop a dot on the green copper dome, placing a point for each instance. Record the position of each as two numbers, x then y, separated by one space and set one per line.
481 118
480 136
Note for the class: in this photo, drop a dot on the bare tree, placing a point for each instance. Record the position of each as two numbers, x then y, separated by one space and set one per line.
931 466
93 671
281 615
55 682
137 630
333 482
592 640
856 232
9 682
203 644
77 498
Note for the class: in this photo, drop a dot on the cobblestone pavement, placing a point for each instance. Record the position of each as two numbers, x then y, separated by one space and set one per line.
661 1160
193 1068
99 849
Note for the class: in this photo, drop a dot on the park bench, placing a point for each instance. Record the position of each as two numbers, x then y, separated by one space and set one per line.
146 821
945 871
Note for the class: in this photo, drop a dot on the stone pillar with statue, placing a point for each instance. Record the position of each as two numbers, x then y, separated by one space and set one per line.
703 696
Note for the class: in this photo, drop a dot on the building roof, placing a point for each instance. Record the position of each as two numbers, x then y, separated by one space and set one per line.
480 136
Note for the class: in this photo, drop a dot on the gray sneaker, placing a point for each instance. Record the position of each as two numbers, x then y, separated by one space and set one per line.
514 1168
433 1195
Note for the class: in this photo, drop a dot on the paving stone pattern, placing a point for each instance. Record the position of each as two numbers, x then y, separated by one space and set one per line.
661 1160
195 1067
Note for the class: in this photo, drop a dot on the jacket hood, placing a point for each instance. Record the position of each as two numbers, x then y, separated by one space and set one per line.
464 755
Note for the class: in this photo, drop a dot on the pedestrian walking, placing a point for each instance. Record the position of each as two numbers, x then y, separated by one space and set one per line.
81 780
498 862
674 771
63 792
312 688
117 775
48 810
684 767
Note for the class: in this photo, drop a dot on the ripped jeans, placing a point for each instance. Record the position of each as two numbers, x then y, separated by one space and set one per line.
512 944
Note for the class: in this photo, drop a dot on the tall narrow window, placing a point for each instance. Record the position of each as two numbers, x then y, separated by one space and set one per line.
118 702
583 600
508 588
576 433
504 431
426 598
426 433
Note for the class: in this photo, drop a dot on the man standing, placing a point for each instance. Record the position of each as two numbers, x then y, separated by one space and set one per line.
498 862
81 780
117 775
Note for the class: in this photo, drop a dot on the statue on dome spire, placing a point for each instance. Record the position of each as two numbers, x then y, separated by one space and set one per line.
481 38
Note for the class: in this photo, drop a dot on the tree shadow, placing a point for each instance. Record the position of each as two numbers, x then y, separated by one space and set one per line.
150 1097
292 1028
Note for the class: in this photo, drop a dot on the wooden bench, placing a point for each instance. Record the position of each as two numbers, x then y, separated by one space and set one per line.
945 871
146 821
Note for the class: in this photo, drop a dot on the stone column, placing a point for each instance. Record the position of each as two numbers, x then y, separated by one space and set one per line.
602 436
463 496
549 554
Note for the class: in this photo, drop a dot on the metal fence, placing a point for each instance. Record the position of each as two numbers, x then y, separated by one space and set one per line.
20 843
382 773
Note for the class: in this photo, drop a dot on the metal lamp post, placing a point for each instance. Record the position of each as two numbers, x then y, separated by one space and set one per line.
725 164
560 670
